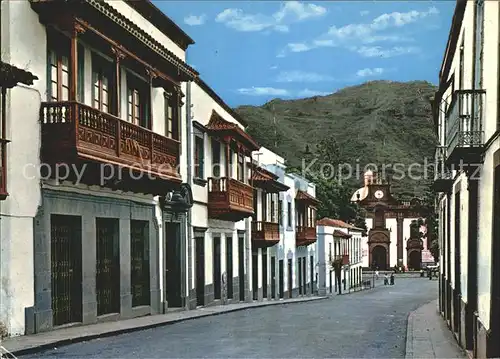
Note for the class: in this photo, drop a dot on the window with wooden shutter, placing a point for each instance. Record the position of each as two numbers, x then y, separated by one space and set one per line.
101 80
138 102
58 74
199 145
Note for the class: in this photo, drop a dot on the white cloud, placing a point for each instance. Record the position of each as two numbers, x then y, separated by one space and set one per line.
298 47
263 91
193 20
273 67
370 72
300 76
290 12
271 91
312 93
364 12
364 33
378 51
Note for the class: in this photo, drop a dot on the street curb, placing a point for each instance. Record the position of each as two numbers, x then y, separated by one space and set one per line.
409 335
68 341
409 349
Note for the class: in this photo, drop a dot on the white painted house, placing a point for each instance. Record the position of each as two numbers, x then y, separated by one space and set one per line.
466 113
17 98
129 187
338 241
98 146
295 253
223 200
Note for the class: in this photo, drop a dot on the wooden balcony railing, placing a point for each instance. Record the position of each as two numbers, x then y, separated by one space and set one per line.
305 235
229 199
265 234
345 259
3 169
71 130
464 126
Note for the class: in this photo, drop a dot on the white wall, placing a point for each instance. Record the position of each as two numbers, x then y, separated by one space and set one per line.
147 26
22 45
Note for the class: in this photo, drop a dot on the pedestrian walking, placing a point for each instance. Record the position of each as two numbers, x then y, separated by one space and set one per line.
376 274
392 278
386 279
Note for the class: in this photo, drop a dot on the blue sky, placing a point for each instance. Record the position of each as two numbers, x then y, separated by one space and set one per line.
250 52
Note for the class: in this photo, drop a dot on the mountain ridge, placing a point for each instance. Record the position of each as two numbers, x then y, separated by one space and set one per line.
381 122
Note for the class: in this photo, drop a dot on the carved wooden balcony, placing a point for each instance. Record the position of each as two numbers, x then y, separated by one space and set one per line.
265 234
229 199
464 127
112 152
305 236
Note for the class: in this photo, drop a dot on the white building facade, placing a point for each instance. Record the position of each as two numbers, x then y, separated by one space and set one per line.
129 186
295 255
98 147
468 178
340 242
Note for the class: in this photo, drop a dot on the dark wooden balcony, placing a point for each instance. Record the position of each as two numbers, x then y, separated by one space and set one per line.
464 128
443 177
113 152
305 236
265 234
229 199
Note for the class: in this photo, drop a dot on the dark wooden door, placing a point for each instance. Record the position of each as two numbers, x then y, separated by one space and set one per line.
66 268
457 304
229 266
379 257
300 276
255 275
304 274
273 277
217 268
264 273
281 275
241 266
108 266
494 352
139 263
173 265
311 273
200 270
290 277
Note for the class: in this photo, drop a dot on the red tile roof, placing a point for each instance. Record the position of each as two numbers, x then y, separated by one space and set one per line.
304 196
341 234
329 222
218 124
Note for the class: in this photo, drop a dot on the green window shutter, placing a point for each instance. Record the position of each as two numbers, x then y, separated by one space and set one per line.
81 73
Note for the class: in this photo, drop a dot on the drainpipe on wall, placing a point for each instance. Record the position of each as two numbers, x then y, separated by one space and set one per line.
189 131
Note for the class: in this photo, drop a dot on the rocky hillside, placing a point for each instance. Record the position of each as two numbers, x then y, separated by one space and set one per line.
376 122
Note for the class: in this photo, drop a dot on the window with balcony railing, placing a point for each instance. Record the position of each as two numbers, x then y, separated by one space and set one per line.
102 74
59 73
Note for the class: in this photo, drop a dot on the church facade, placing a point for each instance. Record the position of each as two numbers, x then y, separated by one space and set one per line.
396 233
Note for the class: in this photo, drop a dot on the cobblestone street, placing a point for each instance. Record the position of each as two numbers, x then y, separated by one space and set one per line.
365 324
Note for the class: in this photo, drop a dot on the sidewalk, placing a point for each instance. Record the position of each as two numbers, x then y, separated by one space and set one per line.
33 343
428 336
